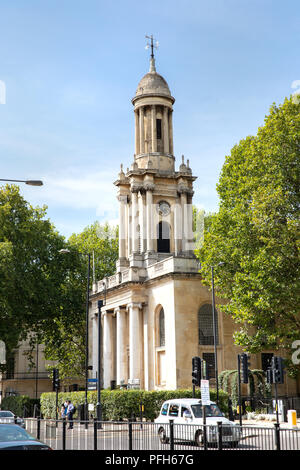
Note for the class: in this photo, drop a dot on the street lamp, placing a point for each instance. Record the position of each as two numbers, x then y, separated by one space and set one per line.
215 327
29 182
64 251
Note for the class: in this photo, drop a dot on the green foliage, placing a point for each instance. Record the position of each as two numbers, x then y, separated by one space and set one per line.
30 270
65 340
258 386
42 292
256 234
16 404
122 404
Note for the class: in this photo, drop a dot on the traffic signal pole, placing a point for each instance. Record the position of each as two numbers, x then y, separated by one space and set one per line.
239 389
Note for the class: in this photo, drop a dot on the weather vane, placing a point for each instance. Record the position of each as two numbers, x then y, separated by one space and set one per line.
151 44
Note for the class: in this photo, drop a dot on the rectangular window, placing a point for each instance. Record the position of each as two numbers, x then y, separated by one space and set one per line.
173 411
164 409
158 128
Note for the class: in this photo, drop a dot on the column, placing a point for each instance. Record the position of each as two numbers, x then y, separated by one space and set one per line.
142 132
107 350
171 132
134 220
126 229
149 203
137 134
146 348
183 200
129 230
153 128
122 231
135 341
142 224
166 129
190 235
177 227
121 345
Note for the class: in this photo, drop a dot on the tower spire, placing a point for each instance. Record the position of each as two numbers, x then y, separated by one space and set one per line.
152 46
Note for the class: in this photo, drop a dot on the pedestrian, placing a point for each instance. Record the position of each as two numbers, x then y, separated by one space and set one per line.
70 412
63 410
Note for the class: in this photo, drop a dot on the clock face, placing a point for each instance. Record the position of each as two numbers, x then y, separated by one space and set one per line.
163 208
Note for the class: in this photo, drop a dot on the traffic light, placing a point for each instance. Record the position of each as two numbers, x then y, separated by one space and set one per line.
245 361
278 369
196 371
204 370
55 380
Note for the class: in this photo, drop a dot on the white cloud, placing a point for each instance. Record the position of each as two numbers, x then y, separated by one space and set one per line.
83 190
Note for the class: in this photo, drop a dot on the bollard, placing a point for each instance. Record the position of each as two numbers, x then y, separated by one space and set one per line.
205 437
171 434
277 436
292 418
220 443
38 428
130 434
64 433
95 433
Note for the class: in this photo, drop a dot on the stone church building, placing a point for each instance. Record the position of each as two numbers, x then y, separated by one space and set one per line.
157 314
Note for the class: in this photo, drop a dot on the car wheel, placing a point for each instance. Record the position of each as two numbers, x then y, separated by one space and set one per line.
199 438
162 436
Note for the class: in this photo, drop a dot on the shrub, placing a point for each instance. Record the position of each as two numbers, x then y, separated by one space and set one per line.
16 404
123 404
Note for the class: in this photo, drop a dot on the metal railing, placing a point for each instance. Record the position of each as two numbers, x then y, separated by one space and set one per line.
129 435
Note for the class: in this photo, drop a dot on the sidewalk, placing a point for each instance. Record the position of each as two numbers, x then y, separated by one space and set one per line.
266 423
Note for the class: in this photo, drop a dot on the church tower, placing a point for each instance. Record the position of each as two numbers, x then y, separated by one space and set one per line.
155 199
154 314
151 306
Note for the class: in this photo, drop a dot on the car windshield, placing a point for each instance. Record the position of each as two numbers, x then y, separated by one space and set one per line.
6 414
10 432
211 411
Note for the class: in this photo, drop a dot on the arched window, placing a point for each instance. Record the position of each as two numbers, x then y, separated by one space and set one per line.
163 237
161 326
205 325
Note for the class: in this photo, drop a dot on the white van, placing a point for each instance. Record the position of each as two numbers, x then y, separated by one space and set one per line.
186 414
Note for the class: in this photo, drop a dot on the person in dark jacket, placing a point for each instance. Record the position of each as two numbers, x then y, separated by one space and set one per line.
70 412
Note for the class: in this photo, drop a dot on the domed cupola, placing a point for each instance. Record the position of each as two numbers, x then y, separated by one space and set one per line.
153 84
153 107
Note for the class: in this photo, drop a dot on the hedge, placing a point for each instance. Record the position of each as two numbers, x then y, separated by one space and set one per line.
16 404
122 404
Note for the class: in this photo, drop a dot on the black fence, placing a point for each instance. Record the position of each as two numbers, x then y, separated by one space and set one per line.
109 435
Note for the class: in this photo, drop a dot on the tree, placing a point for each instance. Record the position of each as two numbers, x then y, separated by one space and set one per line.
64 339
256 233
31 271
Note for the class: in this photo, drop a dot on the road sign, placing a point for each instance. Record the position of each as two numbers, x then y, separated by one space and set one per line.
92 386
92 380
205 395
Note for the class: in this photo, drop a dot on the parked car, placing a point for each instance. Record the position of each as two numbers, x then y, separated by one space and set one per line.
13 437
187 412
8 417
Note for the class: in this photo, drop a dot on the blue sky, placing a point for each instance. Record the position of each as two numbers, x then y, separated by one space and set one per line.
70 69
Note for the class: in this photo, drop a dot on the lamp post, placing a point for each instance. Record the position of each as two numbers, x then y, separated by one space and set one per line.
63 251
29 182
215 327
101 303
87 340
